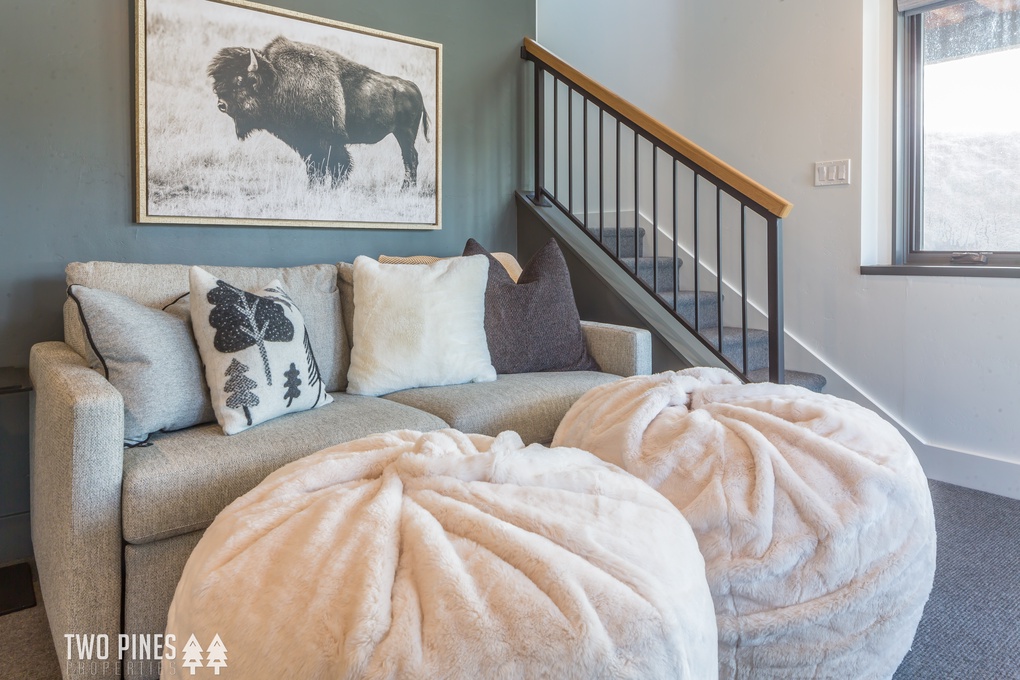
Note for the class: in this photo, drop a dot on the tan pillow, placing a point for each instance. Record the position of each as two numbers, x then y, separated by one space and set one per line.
509 262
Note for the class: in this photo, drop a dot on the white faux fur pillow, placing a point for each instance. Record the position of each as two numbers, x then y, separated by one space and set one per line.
419 326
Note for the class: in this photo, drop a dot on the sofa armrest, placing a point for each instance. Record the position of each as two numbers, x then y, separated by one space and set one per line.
621 350
77 462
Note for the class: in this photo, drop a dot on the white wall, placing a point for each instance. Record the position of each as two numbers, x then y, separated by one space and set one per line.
771 87
610 39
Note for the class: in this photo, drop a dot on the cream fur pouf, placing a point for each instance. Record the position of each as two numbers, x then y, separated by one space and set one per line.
445 555
813 515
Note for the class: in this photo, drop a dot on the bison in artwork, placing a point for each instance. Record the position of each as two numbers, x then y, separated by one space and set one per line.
318 102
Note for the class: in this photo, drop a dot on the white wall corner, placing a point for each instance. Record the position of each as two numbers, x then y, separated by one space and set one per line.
877 132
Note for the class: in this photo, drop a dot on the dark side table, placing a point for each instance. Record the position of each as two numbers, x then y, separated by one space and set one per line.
14 380
16 591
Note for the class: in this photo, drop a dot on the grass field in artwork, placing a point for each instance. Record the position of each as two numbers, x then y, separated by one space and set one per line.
196 167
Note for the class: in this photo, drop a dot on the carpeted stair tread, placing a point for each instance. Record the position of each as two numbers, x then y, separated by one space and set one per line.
708 309
757 356
733 343
665 279
626 237
811 381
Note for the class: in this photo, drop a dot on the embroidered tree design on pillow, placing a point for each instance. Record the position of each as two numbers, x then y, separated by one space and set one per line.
243 319
239 387
314 377
292 383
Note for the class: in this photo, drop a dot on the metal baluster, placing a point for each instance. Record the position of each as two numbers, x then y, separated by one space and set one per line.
777 368
676 245
617 189
655 220
570 149
538 198
556 137
585 173
697 263
743 277
637 200
718 263
602 173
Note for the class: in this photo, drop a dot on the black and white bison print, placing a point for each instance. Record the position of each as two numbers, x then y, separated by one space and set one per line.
318 102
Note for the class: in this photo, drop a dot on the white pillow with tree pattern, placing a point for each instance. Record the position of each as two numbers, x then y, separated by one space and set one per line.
258 359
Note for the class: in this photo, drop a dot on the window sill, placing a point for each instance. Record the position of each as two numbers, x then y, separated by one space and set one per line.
941 270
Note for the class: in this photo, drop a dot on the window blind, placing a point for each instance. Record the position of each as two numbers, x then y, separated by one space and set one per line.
917 6
909 7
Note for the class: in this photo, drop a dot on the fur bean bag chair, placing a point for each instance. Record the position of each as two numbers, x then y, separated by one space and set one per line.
446 555
813 515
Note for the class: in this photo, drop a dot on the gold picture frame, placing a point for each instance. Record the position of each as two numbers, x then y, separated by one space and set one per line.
248 114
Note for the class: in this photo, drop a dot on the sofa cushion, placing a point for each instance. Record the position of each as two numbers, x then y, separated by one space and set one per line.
531 404
313 288
185 478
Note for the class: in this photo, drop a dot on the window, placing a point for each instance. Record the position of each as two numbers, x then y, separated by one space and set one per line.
960 143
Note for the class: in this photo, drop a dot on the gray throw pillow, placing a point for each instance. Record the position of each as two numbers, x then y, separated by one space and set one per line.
150 356
533 325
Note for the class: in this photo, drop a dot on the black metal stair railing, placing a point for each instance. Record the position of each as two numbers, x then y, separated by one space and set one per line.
725 331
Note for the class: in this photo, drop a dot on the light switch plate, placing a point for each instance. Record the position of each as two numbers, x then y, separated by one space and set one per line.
829 173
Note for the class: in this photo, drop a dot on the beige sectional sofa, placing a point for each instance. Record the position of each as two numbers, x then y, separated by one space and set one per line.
113 526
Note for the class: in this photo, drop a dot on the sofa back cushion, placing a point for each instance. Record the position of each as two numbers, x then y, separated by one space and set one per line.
312 287
345 278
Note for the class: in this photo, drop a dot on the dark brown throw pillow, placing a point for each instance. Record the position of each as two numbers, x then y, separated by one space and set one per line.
533 325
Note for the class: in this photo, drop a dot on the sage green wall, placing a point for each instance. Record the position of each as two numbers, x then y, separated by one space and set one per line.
66 155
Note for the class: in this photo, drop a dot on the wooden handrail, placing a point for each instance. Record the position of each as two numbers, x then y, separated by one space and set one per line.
774 203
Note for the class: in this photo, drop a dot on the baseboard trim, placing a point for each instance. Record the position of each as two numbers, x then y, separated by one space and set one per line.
964 468
972 470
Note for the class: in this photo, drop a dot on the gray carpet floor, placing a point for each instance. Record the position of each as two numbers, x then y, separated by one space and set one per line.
26 648
971 625
970 629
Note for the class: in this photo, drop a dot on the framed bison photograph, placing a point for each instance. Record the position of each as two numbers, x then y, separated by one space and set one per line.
253 115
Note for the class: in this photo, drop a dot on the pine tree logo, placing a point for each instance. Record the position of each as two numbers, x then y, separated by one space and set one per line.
193 655
216 655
